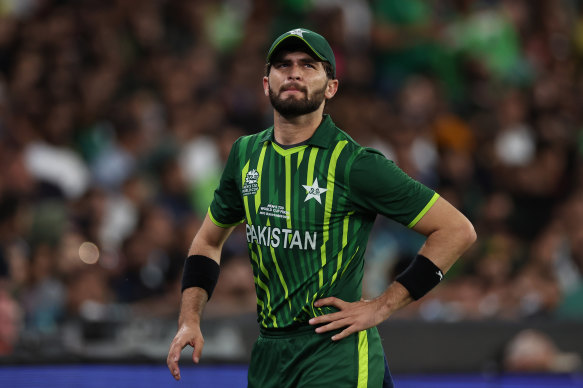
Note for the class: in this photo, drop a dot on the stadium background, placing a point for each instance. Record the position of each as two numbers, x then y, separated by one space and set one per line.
116 117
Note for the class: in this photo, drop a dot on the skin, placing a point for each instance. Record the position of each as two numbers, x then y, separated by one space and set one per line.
296 75
289 74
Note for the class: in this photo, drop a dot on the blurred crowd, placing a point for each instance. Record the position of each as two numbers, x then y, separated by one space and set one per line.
116 118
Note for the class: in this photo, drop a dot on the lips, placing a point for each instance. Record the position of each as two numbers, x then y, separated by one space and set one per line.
292 88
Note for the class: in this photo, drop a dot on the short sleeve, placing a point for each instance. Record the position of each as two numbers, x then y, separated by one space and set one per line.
378 185
227 208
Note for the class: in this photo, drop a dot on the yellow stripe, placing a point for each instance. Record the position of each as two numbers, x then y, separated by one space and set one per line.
289 223
425 210
362 359
349 261
312 305
310 177
311 163
260 264
280 275
259 169
300 157
260 303
257 280
262 285
328 206
288 192
220 224
288 151
245 198
344 243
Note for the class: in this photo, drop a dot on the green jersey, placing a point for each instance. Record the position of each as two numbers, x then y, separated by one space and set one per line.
308 212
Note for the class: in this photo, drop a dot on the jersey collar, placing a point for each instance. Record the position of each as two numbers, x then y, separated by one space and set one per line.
321 138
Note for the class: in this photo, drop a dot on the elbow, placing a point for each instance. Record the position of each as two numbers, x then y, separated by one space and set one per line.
467 234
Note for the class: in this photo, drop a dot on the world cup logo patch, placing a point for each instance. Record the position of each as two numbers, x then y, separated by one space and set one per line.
250 186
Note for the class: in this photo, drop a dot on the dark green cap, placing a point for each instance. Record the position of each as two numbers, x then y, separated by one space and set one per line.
314 42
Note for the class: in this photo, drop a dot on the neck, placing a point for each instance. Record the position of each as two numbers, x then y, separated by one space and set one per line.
293 130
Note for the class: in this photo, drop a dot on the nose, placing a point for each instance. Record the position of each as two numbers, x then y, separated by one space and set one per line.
294 72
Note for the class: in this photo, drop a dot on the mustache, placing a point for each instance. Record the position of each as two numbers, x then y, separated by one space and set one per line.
294 86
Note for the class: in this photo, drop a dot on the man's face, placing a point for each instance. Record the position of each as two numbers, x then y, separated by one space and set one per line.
297 84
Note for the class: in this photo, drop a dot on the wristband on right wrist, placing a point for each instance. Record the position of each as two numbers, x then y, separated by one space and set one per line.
420 277
200 271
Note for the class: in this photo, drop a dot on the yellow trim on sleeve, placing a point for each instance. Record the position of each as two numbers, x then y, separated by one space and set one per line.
220 224
425 210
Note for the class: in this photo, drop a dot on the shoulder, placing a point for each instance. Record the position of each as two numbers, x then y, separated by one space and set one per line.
248 143
368 154
358 150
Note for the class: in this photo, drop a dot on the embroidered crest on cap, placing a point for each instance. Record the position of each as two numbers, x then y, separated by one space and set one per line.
297 32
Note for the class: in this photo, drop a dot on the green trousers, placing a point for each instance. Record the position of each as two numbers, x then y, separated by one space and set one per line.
299 357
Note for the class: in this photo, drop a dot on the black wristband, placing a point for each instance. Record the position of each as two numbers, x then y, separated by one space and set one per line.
200 271
420 276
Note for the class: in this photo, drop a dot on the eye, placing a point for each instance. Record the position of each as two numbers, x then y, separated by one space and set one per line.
310 65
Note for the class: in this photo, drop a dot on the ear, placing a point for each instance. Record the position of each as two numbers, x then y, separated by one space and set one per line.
331 89
266 86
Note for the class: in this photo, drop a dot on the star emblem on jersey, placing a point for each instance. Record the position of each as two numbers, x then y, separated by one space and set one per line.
314 191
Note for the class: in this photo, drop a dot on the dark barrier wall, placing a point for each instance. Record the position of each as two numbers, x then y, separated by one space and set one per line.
425 347
411 346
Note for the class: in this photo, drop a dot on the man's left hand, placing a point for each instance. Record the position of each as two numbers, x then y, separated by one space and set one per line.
355 316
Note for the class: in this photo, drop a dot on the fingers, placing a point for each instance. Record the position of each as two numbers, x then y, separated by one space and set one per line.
349 317
333 325
326 318
173 357
184 337
344 333
330 301
197 344
347 323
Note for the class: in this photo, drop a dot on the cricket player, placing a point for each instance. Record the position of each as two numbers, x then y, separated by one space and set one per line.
308 195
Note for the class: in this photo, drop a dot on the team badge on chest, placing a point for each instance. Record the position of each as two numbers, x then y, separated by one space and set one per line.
314 191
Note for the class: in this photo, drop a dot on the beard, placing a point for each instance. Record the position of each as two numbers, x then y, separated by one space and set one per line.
294 107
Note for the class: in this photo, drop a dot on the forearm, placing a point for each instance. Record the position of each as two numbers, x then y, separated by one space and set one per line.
444 246
394 298
192 304
208 242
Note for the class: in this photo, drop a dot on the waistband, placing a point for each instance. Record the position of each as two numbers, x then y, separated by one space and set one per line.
294 330
288 331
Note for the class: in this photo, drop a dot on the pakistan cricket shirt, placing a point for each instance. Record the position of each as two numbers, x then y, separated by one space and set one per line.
308 212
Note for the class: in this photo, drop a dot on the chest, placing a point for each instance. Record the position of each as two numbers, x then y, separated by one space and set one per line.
303 186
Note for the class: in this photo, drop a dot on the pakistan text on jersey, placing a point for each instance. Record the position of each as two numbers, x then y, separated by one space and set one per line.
273 237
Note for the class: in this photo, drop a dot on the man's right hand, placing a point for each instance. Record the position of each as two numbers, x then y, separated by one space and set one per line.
186 335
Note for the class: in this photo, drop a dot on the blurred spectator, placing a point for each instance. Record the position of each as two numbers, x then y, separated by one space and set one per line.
533 351
10 321
116 118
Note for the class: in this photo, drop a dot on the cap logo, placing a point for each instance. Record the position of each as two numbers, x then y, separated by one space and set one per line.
297 32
